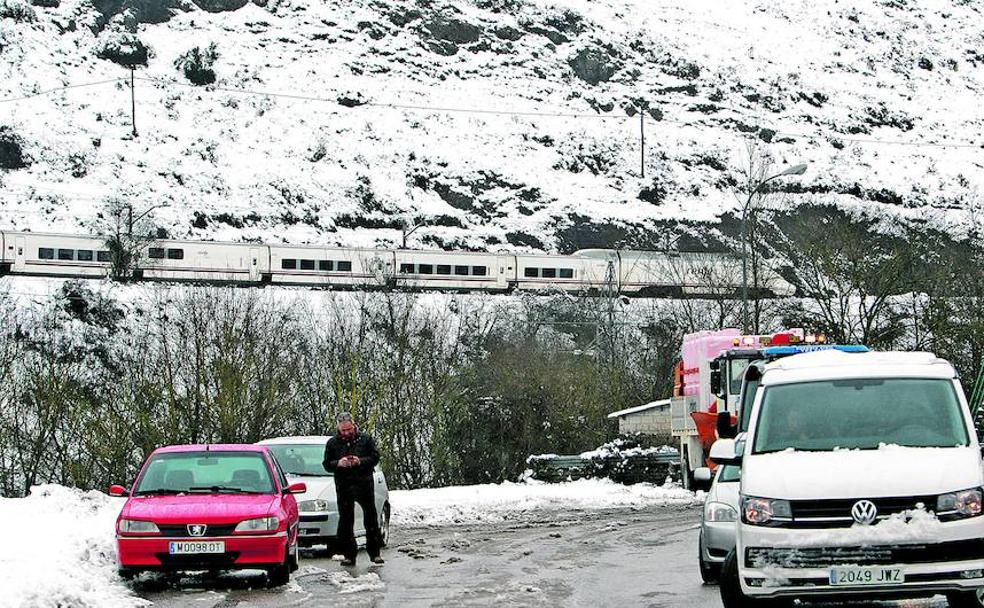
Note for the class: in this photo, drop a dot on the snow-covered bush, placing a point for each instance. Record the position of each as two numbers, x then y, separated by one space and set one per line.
197 64
123 48
17 10
12 155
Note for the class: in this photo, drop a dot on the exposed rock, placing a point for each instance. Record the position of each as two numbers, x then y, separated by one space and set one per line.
12 154
594 65
925 63
507 32
442 47
402 16
220 6
46 3
450 29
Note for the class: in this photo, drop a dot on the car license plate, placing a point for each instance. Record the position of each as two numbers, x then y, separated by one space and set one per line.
866 576
196 547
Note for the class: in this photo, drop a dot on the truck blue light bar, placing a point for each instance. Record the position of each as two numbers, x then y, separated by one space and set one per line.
782 351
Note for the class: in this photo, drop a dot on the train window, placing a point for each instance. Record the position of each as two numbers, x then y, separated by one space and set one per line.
531 272
288 264
66 254
425 269
549 273
84 255
326 265
443 269
46 253
175 254
461 271
307 264
567 273
103 256
479 271
406 269
155 253
344 266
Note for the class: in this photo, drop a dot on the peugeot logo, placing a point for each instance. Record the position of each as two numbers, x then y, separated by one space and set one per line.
864 512
196 529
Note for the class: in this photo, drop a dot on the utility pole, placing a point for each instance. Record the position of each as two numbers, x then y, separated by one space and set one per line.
642 138
133 104
745 244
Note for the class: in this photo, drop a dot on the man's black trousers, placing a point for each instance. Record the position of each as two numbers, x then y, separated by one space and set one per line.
350 492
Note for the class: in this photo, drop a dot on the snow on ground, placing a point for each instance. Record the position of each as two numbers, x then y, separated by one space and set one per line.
58 551
503 502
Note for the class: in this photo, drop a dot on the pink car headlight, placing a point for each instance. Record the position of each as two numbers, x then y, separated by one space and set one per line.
260 524
134 526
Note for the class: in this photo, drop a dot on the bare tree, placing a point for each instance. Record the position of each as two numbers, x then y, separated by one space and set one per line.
129 233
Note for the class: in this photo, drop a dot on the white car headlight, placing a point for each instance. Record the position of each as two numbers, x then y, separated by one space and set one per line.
260 524
765 511
133 526
313 506
719 511
966 503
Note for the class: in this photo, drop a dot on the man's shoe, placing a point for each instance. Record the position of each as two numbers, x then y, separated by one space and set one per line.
348 563
377 560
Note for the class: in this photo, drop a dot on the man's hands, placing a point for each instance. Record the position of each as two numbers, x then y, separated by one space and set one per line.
346 462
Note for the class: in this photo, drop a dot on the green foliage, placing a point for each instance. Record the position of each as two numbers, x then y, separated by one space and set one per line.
197 64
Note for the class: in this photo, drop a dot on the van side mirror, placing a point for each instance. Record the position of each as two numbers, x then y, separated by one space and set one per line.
725 451
117 490
725 429
703 474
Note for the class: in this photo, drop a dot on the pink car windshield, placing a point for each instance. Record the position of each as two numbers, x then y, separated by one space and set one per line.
205 472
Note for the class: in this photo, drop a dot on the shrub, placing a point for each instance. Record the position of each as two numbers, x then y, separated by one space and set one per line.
19 11
196 64
122 48
12 150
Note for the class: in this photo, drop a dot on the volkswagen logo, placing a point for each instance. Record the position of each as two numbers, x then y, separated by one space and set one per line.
196 529
864 512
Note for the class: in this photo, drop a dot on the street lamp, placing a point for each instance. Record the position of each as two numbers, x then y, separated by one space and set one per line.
799 169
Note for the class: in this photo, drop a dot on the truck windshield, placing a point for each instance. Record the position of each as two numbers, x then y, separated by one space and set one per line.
735 374
860 414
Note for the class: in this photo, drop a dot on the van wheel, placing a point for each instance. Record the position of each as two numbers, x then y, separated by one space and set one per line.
709 573
965 599
732 595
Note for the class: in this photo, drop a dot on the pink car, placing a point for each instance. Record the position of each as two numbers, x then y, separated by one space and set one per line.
209 507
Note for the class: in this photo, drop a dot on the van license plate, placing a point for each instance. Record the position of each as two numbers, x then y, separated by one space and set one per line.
196 547
866 576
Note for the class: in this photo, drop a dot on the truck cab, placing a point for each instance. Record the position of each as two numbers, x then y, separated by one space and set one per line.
861 478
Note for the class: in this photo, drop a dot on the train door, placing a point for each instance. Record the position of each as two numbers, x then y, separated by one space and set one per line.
254 264
507 271
20 249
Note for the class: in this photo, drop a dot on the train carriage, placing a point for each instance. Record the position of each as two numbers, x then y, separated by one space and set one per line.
567 273
56 255
330 266
204 261
455 271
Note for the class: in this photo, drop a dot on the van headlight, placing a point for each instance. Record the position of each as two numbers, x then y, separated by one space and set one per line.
765 511
260 524
719 511
312 506
966 503
133 526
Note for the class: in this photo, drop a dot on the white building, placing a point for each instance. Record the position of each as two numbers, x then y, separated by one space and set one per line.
649 419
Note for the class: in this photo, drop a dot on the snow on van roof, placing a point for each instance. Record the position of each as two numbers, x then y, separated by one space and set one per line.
838 364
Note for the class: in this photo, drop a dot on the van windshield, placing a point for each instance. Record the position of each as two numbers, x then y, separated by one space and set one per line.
860 414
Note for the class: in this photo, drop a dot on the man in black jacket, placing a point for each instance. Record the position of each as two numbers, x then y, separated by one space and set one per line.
352 456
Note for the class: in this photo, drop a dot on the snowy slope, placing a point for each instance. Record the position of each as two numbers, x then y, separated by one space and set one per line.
817 81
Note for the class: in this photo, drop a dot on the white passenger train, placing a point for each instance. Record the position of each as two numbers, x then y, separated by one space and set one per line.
642 273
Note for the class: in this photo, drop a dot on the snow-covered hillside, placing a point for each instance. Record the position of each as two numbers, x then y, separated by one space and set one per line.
819 81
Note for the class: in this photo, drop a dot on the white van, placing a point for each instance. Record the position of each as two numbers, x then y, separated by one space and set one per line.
861 478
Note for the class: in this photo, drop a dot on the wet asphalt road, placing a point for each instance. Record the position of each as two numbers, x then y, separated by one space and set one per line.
644 558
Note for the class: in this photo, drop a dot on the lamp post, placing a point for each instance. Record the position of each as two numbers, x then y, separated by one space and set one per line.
794 170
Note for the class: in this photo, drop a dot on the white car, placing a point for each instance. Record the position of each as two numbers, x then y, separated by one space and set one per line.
301 459
861 478
719 519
